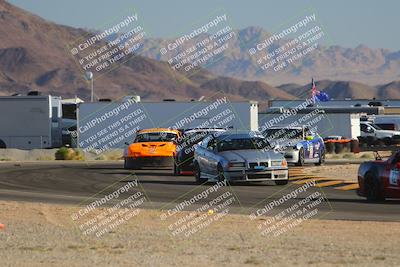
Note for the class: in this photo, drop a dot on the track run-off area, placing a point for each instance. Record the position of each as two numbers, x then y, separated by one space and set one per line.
74 183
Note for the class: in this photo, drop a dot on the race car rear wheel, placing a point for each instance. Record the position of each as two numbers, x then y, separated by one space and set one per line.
300 162
372 187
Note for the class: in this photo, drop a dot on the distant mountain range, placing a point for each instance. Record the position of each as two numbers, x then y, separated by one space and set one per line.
346 89
34 56
363 64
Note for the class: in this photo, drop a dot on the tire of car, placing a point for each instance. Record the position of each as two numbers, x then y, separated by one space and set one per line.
372 187
321 160
371 140
130 164
220 171
281 182
302 156
388 141
197 173
177 170
2 144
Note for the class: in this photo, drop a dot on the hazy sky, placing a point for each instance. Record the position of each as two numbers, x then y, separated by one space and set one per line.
348 22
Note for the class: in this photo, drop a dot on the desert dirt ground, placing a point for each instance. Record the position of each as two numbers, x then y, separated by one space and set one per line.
37 234
347 172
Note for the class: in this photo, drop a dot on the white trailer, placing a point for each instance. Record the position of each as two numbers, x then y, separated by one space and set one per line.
29 122
323 120
105 125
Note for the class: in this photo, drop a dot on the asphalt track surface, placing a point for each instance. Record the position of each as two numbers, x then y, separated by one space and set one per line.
80 183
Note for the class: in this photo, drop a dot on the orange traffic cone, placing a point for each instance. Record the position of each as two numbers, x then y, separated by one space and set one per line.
2 226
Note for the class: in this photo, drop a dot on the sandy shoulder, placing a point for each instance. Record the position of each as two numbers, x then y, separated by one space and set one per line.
347 172
44 235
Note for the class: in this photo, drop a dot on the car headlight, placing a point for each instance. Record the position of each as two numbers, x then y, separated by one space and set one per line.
236 164
284 163
278 163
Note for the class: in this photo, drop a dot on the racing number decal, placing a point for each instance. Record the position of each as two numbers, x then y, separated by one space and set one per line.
310 150
316 150
394 177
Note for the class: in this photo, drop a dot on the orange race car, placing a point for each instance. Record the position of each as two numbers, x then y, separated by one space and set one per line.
151 147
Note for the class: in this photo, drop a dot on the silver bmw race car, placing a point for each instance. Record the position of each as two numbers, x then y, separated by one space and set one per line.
238 156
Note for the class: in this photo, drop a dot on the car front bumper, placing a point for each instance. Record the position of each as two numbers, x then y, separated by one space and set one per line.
257 176
153 161
292 156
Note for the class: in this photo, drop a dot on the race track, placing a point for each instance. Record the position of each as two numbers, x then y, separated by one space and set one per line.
75 182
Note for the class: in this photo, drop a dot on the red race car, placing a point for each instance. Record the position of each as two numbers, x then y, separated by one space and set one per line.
380 179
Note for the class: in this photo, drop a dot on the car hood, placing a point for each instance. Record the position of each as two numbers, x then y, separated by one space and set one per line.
284 142
389 132
250 155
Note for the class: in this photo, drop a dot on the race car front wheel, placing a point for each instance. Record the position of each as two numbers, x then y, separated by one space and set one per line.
177 170
300 162
321 160
197 173
373 189
221 175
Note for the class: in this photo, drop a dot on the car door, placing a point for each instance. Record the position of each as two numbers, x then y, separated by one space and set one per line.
308 145
317 146
211 158
200 155
392 176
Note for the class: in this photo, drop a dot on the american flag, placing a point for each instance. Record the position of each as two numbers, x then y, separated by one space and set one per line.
319 96
313 89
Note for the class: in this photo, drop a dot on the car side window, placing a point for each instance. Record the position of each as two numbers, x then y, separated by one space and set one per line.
203 143
364 128
308 133
211 144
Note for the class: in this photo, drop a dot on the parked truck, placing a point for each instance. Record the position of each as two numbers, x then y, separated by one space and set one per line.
372 134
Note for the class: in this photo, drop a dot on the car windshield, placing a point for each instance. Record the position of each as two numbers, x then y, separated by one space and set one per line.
155 137
241 144
193 137
284 133
375 126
